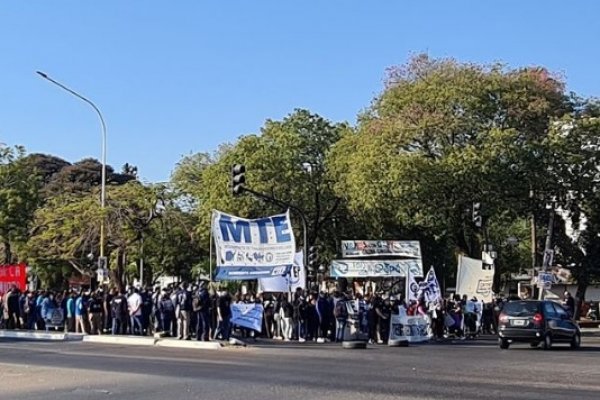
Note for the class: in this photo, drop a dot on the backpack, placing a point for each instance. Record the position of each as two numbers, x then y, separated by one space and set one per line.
167 305
196 302
340 310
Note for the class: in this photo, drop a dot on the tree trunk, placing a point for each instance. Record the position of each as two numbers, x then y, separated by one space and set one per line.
7 252
117 273
580 297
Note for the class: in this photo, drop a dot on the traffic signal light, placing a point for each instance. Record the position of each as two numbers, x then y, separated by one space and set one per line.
238 179
313 258
477 217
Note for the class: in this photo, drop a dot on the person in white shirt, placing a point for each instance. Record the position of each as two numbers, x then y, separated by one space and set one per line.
134 305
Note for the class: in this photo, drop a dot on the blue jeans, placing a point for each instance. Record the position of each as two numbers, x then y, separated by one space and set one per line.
136 321
166 323
202 325
341 328
223 328
117 326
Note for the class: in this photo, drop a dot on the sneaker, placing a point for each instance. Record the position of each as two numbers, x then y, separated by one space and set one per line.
301 340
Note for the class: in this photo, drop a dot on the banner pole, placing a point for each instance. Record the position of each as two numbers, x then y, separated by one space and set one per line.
210 253
406 287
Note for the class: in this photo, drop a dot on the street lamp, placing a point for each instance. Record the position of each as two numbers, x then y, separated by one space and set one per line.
103 183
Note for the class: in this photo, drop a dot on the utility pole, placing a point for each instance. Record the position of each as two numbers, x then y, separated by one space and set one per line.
547 260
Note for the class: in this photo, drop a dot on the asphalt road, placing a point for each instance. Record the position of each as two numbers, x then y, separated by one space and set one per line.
460 370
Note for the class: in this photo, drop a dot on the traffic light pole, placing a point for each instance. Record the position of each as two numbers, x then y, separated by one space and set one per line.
298 211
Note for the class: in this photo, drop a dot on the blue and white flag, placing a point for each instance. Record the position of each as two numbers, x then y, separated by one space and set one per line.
430 287
413 289
252 248
247 315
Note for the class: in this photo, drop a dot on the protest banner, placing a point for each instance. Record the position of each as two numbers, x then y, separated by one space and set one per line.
294 279
473 279
370 248
13 275
375 268
252 248
414 329
247 315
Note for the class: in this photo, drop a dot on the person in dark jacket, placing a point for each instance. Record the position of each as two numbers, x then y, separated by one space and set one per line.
118 312
166 312
324 313
201 306
11 308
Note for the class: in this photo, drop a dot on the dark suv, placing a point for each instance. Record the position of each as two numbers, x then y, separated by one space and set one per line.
535 322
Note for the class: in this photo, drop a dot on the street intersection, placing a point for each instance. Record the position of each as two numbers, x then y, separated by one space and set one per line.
275 370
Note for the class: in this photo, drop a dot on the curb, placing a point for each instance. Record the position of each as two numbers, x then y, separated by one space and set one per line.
129 340
188 344
55 336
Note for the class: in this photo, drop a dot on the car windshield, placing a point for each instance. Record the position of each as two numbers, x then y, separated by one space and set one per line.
521 308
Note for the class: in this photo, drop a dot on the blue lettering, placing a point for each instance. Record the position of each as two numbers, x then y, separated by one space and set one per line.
262 229
237 230
282 232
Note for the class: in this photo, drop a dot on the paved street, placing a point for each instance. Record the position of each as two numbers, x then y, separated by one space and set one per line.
464 370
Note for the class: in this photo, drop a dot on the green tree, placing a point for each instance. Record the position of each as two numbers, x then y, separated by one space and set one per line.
443 135
574 145
19 197
287 160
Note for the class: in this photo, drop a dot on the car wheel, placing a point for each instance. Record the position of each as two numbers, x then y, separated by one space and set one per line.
534 344
503 344
547 345
576 341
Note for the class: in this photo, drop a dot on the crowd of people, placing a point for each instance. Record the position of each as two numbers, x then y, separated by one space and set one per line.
199 312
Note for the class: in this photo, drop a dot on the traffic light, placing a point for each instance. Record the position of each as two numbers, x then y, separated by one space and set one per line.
313 258
477 217
238 179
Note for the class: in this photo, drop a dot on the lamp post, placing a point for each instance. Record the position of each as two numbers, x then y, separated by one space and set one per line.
103 183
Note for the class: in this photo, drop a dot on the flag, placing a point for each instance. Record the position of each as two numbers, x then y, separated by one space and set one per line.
430 287
412 287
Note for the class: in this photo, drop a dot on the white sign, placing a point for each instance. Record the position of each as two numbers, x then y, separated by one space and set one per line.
252 248
473 279
296 278
545 280
370 248
247 315
375 268
412 329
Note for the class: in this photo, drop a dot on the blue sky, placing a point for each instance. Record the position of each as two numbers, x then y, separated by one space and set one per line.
172 78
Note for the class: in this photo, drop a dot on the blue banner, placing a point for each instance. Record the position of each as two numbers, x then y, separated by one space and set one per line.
240 273
252 248
247 315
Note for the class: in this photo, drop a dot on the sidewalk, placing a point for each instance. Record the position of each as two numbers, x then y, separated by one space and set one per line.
109 339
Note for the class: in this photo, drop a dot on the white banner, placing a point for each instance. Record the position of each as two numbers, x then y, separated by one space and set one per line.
296 278
392 248
473 279
247 315
412 288
375 268
252 248
412 329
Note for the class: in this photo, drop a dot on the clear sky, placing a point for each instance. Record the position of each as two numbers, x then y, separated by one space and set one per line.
175 77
